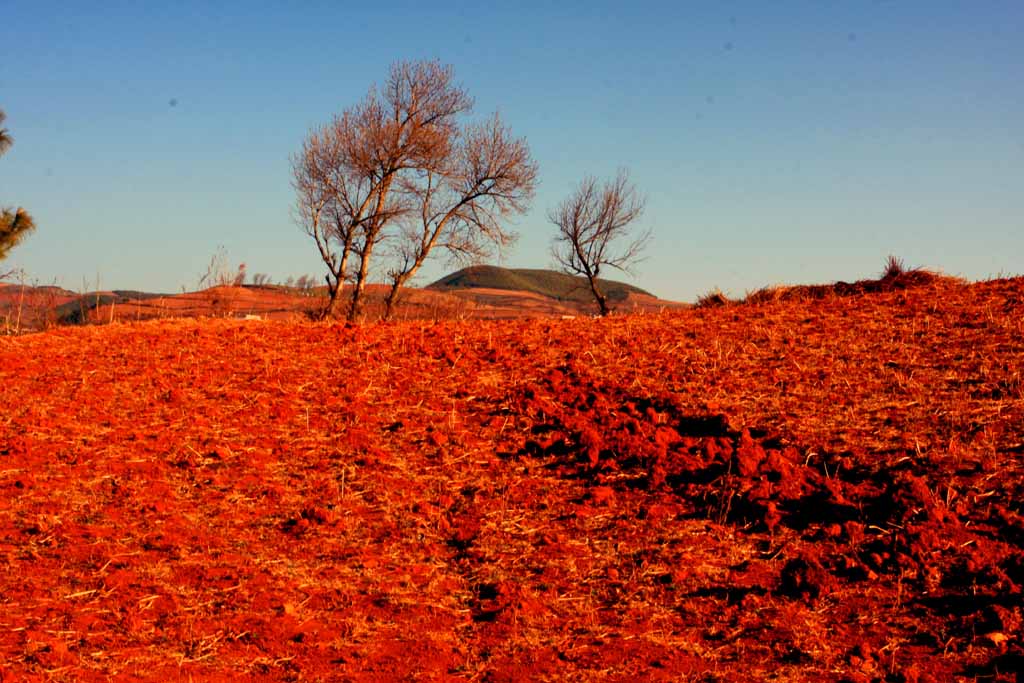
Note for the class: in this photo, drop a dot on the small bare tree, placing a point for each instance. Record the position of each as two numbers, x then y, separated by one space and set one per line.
594 231
219 272
400 167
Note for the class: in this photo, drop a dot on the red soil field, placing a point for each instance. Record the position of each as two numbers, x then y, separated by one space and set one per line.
827 490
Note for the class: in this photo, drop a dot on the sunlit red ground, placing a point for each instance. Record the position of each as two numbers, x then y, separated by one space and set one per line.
816 491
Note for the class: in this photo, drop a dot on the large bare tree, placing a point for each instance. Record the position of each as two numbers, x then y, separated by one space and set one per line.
594 231
401 167
15 224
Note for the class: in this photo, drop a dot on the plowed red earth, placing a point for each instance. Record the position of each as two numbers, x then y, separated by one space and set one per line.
817 491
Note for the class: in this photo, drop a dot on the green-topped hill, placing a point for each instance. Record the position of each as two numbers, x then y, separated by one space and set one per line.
549 283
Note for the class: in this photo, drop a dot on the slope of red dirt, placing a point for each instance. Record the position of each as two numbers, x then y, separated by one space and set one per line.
819 491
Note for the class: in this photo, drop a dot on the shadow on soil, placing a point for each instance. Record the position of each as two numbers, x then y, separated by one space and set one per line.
864 517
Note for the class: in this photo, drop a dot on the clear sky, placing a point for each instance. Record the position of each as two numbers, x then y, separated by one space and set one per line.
777 142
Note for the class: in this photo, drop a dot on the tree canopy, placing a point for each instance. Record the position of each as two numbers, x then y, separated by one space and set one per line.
401 173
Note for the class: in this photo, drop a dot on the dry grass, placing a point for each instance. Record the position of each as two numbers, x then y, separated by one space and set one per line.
293 501
894 277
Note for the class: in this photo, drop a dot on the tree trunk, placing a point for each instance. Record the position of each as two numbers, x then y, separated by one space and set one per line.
339 284
356 308
392 297
389 301
332 301
399 280
602 300
356 305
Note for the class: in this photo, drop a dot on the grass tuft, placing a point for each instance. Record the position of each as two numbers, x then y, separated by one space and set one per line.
713 299
894 268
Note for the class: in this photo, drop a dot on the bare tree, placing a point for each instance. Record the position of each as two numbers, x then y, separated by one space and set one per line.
594 230
399 167
219 272
15 224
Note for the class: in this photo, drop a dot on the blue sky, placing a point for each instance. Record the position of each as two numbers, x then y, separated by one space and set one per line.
776 142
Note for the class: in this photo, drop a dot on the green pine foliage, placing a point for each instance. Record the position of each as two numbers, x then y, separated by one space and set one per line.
15 224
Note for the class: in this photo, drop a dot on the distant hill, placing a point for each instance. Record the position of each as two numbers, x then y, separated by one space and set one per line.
548 283
81 307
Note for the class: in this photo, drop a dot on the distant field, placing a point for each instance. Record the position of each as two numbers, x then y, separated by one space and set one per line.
793 490
543 294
